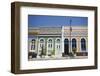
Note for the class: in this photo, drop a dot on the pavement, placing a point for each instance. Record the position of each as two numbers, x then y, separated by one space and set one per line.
59 58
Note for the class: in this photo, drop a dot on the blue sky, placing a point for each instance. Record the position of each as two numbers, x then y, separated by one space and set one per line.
56 21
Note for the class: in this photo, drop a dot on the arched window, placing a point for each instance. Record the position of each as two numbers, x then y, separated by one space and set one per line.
74 43
83 44
66 46
33 44
66 41
58 40
42 43
50 40
50 43
58 43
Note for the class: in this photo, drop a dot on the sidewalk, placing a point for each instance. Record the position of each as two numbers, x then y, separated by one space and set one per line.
59 58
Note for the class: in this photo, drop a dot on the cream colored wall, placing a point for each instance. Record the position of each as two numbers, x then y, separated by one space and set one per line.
83 33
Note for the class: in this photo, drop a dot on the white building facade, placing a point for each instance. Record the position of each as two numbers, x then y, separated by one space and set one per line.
58 41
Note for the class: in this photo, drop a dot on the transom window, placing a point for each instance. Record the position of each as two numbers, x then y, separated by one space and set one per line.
66 41
58 40
50 40
41 41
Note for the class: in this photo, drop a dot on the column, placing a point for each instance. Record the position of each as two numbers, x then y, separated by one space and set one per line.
70 44
54 46
28 45
62 39
37 41
78 44
46 47
60 49
87 44
29 49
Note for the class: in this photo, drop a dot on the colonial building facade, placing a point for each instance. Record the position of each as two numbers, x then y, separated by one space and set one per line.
58 41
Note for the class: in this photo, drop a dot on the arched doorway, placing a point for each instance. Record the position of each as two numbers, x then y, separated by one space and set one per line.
66 46
74 44
83 44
